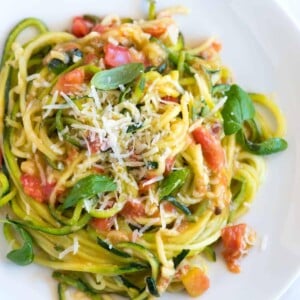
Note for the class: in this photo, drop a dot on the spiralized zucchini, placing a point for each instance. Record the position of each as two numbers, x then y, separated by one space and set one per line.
122 164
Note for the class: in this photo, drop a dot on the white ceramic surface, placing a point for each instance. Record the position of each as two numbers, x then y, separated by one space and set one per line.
261 45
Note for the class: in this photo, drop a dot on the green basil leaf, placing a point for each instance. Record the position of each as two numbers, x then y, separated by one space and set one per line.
173 182
113 78
24 255
237 109
88 187
266 147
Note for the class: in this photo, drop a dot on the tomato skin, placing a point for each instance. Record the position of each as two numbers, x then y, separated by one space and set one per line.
133 208
81 27
116 55
195 282
233 242
71 81
102 224
211 148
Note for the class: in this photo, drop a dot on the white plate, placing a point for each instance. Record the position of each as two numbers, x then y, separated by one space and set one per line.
262 46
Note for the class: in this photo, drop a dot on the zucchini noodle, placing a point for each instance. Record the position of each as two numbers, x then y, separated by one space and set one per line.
120 190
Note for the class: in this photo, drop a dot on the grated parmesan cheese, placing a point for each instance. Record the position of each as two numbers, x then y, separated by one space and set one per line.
95 96
71 103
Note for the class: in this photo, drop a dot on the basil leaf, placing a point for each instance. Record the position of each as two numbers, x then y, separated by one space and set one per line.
88 187
173 182
237 109
113 78
24 255
266 147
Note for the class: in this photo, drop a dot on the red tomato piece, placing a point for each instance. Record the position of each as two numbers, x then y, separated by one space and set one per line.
81 27
195 282
211 148
70 82
33 187
116 55
233 238
102 224
133 208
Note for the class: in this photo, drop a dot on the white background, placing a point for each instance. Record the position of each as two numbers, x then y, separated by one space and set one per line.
292 7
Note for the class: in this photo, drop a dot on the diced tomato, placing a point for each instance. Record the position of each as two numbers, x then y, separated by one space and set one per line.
102 224
195 282
171 99
169 165
100 28
33 187
116 55
70 82
133 208
81 27
235 240
216 46
211 148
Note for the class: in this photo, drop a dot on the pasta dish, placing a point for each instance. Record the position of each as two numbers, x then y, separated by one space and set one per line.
128 155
